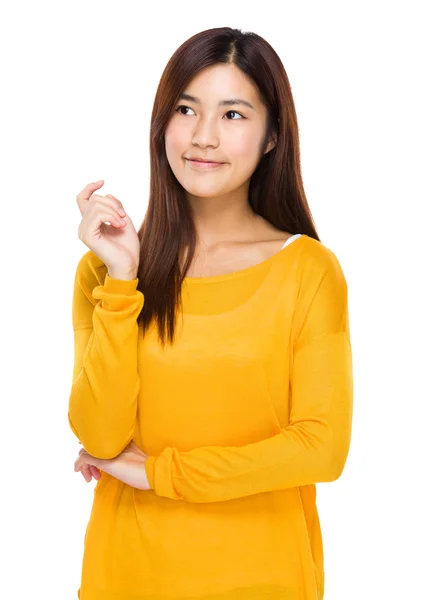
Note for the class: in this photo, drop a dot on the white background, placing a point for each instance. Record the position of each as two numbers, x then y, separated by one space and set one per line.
78 82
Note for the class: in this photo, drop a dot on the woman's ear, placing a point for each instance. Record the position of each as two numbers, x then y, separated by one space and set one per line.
271 144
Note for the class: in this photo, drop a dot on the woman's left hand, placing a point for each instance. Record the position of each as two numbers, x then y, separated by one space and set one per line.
128 466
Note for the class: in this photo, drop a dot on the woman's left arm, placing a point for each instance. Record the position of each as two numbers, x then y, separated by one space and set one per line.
313 447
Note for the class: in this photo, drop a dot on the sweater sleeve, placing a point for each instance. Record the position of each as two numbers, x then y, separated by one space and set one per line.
105 385
313 447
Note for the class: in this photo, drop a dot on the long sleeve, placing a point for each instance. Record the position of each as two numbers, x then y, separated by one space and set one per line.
314 446
105 385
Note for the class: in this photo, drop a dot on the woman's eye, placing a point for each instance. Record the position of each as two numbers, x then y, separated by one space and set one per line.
236 113
230 111
182 106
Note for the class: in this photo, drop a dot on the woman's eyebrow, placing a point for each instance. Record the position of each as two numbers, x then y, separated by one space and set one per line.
229 102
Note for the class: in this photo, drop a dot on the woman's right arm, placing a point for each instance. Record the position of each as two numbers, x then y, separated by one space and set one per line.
105 384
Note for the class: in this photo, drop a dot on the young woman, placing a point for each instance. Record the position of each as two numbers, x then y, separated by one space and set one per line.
212 385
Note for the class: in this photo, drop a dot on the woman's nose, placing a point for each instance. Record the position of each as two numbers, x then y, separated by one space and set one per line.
205 134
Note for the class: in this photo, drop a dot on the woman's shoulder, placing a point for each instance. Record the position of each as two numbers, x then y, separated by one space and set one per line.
318 259
314 256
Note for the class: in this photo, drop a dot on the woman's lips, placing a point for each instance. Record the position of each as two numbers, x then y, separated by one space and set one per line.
197 164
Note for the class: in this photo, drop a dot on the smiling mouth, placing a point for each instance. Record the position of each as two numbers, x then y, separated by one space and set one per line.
204 165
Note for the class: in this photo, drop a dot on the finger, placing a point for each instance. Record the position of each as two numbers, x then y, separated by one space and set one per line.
114 205
82 459
86 458
84 195
95 472
108 204
111 217
91 471
96 221
117 204
79 464
86 472
88 190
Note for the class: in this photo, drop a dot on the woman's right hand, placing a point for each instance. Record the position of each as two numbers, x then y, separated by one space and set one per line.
89 471
117 244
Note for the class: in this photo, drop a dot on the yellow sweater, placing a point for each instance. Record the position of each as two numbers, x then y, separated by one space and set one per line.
249 409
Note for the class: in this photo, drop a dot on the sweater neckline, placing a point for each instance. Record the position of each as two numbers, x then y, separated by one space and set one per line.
283 252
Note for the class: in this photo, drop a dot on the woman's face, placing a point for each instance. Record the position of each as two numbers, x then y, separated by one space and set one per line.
232 133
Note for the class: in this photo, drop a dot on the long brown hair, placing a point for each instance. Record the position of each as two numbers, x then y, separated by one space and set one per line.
276 190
